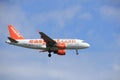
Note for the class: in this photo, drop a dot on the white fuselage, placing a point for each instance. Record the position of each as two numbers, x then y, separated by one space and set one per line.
40 44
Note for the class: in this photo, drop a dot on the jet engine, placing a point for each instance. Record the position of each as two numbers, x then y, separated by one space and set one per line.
61 45
61 52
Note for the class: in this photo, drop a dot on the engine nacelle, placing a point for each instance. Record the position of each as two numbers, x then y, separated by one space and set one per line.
61 45
61 52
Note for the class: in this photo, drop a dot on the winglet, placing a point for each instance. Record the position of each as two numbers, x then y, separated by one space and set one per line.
14 33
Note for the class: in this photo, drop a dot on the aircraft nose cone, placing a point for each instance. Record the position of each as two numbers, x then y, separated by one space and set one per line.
87 45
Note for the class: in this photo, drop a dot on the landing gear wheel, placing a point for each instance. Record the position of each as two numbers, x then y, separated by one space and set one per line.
49 55
77 53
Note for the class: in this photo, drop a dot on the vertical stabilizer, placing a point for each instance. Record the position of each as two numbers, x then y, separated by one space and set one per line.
14 33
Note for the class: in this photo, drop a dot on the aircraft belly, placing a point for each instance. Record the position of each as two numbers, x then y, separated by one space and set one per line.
72 46
32 46
36 46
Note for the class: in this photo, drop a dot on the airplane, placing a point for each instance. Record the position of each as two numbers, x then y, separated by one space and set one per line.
46 44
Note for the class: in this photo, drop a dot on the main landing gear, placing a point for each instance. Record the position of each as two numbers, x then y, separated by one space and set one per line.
49 55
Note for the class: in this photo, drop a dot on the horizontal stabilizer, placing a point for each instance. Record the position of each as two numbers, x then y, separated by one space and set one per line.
12 40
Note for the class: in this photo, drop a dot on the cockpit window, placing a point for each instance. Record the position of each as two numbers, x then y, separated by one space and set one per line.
83 41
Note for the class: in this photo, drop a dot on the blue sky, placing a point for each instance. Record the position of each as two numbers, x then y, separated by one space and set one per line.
95 21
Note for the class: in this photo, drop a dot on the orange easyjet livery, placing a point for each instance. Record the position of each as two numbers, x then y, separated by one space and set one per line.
46 44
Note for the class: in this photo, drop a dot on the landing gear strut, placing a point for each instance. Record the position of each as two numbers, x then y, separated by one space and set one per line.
77 52
49 55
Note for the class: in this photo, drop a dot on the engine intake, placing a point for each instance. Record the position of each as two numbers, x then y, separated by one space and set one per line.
61 45
61 52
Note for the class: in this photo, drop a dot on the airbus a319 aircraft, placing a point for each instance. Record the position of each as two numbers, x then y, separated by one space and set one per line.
46 44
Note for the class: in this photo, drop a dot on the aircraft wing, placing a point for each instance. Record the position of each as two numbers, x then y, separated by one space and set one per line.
49 41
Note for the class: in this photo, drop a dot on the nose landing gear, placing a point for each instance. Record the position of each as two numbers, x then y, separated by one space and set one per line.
77 52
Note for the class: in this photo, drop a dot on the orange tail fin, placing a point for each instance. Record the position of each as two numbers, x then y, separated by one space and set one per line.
14 33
